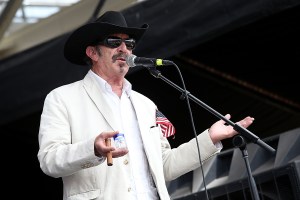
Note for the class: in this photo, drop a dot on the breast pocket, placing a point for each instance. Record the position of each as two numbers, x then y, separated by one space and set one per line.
86 195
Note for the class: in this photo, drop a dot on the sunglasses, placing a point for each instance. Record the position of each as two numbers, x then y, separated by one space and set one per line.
114 42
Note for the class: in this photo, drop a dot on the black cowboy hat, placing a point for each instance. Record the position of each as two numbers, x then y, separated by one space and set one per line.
109 23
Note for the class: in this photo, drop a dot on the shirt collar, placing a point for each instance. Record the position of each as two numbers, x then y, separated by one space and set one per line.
105 87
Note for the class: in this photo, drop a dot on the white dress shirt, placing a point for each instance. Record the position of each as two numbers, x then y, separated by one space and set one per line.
141 180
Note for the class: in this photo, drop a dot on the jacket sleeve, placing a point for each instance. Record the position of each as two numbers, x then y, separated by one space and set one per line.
185 158
57 155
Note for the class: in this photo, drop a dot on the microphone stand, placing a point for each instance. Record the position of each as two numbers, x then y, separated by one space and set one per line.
243 132
239 141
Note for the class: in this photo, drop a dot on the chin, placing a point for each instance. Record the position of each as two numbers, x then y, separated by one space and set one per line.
124 69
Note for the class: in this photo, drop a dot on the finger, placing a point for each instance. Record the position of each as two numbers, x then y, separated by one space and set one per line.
108 134
119 152
247 121
107 149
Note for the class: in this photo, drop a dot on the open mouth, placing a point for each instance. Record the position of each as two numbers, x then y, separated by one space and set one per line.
121 58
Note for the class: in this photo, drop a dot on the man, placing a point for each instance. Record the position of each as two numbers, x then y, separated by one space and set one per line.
78 118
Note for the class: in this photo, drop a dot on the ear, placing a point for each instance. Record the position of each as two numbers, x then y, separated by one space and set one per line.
91 53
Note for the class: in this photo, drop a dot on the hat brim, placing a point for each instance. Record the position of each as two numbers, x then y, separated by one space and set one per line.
75 46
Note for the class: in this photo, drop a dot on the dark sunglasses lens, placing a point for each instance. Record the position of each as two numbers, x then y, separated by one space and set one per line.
114 42
130 43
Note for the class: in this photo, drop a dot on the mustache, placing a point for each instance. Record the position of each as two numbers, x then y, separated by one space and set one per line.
119 55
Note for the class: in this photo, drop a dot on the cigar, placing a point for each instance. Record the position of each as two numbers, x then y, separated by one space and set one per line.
109 154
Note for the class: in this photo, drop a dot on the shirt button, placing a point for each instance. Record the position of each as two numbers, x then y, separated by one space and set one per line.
125 162
129 189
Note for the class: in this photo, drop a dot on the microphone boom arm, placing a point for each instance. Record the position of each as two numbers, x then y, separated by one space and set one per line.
243 131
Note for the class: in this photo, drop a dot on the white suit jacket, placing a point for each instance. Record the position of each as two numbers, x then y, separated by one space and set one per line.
74 114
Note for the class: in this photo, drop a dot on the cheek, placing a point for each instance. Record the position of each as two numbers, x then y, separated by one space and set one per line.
107 57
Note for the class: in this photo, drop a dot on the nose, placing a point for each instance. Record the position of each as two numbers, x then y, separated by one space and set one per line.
122 47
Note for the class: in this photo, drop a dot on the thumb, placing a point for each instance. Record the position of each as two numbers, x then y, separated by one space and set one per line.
227 116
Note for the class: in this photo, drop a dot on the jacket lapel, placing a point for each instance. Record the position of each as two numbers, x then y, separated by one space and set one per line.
94 92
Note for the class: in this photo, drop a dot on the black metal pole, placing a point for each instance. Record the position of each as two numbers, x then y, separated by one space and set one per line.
239 141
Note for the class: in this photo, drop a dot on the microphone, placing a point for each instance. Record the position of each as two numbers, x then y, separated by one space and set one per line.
133 61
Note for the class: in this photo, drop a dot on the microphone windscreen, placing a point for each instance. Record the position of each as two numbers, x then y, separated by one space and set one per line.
130 60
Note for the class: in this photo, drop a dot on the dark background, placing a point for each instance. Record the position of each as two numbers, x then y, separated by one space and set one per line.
238 57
